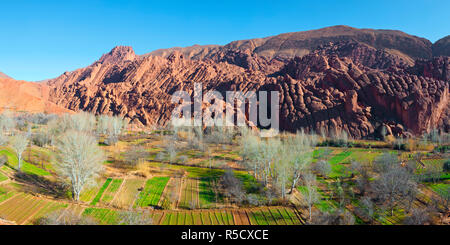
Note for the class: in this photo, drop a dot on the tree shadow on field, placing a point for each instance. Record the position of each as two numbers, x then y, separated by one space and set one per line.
36 184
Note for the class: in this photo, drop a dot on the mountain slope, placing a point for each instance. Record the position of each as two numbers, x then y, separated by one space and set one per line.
289 45
442 47
26 96
361 81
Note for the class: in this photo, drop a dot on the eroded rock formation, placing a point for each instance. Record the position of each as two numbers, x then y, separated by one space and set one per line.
344 79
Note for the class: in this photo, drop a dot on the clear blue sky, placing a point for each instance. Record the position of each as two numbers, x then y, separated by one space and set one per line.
43 39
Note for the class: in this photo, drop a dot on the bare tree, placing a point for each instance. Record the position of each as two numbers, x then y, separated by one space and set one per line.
310 194
336 217
19 143
417 217
323 167
300 150
366 208
3 139
135 154
363 176
80 160
65 217
112 127
83 122
132 217
7 122
393 185
232 186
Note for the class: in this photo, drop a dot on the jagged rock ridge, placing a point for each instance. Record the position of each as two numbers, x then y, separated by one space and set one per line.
341 84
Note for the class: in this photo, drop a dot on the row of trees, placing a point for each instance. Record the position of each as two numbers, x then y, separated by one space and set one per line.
278 162
74 138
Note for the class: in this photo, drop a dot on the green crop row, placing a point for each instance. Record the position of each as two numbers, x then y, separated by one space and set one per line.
100 192
152 192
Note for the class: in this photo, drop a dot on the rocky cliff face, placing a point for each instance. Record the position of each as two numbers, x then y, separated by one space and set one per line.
346 79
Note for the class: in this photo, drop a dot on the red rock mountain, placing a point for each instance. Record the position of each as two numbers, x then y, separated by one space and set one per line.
335 78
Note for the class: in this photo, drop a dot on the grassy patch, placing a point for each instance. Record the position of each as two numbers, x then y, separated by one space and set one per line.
26 167
100 192
152 192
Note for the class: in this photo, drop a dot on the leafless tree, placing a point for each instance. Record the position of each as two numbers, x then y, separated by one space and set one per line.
310 194
232 186
83 122
299 152
3 160
7 122
3 138
393 185
363 176
65 217
418 216
323 167
334 217
366 208
79 160
19 143
112 127
135 217
135 154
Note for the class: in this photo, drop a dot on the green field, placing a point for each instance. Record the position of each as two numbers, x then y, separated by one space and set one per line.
152 192
26 167
100 192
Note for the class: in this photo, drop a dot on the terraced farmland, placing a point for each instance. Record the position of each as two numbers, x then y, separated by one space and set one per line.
189 194
110 193
152 192
24 208
128 193
26 167
253 216
171 194
100 192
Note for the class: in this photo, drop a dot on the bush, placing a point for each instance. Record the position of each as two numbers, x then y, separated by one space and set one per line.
446 166
40 139
3 160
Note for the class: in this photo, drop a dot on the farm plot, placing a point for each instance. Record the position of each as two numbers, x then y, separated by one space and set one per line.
102 215
111 191
39 156
5 194
189 194
24 207
442 189
128 193
171 194
3 177
89 194
152 192
363 155
47 209
100 192
273 216
208 198
26 167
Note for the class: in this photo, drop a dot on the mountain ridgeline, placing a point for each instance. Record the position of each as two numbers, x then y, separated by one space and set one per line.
331 79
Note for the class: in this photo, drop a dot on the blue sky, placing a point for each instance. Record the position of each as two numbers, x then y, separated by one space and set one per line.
43 39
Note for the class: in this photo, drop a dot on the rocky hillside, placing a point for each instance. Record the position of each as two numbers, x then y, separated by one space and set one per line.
332 79
442 47
289 45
